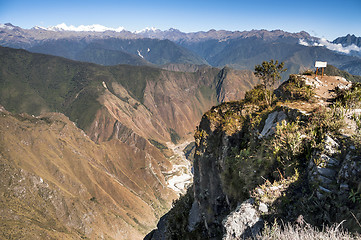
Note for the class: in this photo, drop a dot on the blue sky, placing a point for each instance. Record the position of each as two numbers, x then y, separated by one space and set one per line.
328 19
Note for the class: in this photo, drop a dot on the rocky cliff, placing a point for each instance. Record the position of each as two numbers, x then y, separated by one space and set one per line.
294 161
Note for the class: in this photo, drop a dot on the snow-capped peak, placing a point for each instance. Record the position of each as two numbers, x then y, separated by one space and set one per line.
81 28
39 28
147 30
7 26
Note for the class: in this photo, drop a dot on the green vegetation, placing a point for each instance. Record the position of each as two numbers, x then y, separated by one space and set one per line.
177 223
296 89
83 109
333 71
270 74
277 165
133 78
35 83
174 136
349 98
158 144
256 95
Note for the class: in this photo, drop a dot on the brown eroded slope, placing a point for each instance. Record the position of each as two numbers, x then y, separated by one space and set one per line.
170 104
58 184
139 106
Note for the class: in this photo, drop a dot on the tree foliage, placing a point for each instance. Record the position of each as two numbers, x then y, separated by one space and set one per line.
269 73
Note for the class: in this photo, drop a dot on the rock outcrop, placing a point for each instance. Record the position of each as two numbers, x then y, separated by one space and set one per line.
290 161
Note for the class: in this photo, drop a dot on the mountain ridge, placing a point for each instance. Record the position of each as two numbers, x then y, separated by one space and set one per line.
239 50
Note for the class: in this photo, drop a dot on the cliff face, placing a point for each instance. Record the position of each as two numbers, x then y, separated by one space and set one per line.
294 161
225 170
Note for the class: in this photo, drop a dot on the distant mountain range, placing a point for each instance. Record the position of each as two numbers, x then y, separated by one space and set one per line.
239 50
348 40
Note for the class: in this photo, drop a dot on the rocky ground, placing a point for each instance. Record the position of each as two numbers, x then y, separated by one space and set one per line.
295 162
180 177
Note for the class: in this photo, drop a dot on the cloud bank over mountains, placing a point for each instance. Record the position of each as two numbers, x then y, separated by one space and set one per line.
81 28
322 42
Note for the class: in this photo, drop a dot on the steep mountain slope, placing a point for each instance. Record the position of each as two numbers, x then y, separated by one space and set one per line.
245 53
352 67
57 183
114 51
333 71
129 114
348 40
147 100
293 162
82 50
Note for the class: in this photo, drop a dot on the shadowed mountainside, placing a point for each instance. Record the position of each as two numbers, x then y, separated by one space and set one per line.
149 101
91 179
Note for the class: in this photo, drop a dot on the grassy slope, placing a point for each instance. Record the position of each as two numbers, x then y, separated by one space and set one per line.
37 83
58 183
333 71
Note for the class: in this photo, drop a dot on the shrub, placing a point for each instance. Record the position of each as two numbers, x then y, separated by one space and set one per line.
295 88
308 72
255 95
287 144
350 98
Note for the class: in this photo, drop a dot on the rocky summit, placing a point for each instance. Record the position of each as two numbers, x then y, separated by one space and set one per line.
261 168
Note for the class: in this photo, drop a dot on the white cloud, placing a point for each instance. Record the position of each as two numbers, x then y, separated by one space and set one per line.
338 47
147 29
303 42
322 42
83 28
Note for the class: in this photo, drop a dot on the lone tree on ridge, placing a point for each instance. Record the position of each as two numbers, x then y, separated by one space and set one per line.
269 73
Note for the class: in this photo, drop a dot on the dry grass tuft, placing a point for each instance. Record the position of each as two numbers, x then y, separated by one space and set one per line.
305 232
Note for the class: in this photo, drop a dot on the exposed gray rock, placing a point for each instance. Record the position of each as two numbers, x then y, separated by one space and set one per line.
324 189
350 172
244 222
161 232
324 180
331 145
344 187
329 161
327 172
193 218
263 207
271 123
